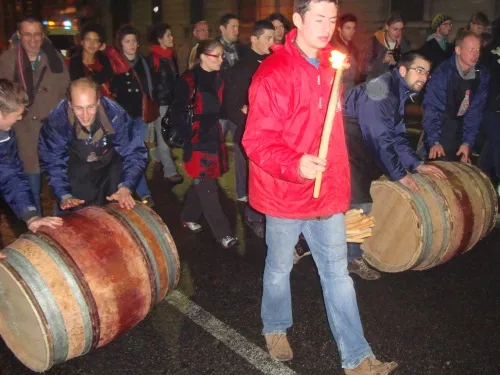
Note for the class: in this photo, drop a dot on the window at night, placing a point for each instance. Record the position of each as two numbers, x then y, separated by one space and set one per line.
411 11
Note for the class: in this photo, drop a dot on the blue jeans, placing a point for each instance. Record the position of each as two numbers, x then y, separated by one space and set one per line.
240 161
141 128
327 241
34 180
162 149
354 249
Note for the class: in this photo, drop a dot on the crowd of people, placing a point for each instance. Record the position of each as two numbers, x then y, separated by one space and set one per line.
84 122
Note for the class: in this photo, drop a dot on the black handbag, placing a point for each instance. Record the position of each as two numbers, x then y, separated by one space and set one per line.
170 131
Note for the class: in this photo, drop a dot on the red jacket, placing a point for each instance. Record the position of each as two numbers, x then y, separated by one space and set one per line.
288 103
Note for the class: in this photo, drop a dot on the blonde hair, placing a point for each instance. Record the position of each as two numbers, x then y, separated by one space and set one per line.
12 96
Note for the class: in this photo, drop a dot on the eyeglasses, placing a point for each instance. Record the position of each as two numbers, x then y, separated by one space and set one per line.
217 56
421 71
32 36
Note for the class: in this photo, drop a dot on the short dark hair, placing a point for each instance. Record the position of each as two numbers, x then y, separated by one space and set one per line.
226 18
393 18
260 27
158 31
465 34
480 18
12 96
348 17
93 28
29 19
122 32
280 17
409 58
302 6
206 46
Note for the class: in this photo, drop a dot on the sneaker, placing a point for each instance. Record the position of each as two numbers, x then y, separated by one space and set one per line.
243 199
372 366
361 268
228 242
258 227
278 346
176 179
192 226
148 201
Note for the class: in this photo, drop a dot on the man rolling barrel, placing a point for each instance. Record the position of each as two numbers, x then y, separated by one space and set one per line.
89 151
14 185
377 141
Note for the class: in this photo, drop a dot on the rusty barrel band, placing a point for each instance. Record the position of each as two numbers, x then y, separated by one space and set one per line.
71 281
84 286
44 297
143 243
167 251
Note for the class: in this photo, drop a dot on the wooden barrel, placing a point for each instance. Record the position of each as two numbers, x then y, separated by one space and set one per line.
68 291
420 231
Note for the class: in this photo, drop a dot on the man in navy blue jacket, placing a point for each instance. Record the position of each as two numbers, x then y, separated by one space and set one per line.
377 140
14 185
89 151
454 102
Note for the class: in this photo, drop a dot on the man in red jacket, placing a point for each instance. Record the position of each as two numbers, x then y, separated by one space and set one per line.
288 103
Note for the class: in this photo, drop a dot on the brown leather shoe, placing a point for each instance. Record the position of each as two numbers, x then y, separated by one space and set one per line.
372 366
278 346
175 179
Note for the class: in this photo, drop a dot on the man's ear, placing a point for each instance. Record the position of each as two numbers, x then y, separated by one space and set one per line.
297 20
402 70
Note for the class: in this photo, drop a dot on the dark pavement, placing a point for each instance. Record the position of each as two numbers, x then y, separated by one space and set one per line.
441 321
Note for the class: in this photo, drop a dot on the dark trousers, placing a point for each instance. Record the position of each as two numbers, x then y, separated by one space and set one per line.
203 198
489 161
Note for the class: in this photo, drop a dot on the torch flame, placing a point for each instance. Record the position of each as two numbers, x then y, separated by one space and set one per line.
337 59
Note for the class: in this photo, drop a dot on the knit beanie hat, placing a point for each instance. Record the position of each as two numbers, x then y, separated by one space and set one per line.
438 20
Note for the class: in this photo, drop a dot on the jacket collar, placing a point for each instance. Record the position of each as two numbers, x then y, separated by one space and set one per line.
404 90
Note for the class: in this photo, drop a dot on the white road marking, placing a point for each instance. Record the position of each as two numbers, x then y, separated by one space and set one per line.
254 355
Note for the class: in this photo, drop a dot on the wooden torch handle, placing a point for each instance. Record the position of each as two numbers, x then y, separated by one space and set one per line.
327 126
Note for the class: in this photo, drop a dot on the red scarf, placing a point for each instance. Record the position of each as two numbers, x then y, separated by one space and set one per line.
157 52
119 64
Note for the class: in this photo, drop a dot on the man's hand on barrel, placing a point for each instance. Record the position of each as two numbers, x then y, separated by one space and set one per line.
464 150
431 170
71 202
409 182
124 198
36 223
436 151
310 165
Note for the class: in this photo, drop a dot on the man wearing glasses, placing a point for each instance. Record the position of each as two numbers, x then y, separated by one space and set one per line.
39 69
88 150
377 142
436 48
454 102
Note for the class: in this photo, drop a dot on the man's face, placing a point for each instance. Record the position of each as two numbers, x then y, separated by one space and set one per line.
200 31
347 31
445 28
416 75
231 31
7 120
84 103
91 42
263 43
477 28
31 36
468 51
279 31
395 31
318 24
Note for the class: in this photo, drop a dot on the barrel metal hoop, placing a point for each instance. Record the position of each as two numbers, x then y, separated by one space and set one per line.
45 299
167 251
75 287
145 249
83 285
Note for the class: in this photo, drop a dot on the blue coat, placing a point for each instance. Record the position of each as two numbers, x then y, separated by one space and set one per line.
14 185
56 136
438 105
376 133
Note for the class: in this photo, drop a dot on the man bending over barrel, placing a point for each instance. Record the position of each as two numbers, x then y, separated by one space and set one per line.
14 185
89 151
377 142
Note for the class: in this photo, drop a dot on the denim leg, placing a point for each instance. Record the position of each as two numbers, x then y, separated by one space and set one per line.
141 130
354 249
327 241
34 180
142 189
276 309
162 149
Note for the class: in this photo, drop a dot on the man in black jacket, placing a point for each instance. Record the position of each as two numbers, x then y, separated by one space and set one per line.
235 103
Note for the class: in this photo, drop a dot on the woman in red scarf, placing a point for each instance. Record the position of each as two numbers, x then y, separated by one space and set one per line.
165 73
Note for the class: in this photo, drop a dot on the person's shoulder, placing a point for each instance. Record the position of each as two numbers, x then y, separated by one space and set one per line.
382 89
8 54
278 64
